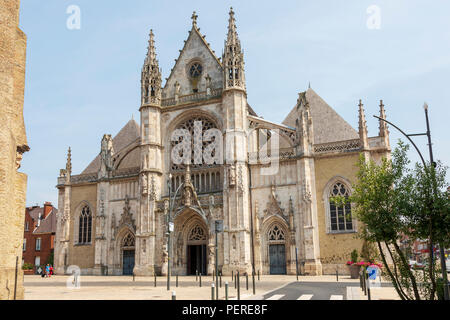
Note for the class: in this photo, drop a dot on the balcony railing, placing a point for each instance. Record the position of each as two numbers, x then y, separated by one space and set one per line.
193 97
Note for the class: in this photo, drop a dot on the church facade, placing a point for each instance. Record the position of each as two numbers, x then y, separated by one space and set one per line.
136 206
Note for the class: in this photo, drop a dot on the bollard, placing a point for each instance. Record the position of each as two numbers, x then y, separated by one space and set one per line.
246 281
253 282
368 286
196 275
200 279
232 275
155 280
365 282
337 275
235 282
212 291
174 295
238 287
226 290
176 281
220 277
133 276
258 275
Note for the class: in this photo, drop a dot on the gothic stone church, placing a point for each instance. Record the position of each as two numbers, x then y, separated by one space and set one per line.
113 217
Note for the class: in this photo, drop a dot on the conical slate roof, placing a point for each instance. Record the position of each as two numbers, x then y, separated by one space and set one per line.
328 125
127 135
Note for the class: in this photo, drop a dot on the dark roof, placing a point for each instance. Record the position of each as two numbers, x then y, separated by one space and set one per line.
35 211
48 225
127 135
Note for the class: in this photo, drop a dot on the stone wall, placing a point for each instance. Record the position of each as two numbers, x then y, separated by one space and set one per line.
82 255
13 144
335 249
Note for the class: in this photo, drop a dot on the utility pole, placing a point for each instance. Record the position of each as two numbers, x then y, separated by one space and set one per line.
441 245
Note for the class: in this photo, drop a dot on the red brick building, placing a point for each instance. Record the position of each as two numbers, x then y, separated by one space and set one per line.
39 234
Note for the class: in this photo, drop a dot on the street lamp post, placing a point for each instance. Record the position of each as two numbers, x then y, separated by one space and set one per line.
432 163
170 225
218 228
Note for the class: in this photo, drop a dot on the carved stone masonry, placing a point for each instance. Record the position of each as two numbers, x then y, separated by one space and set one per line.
127 217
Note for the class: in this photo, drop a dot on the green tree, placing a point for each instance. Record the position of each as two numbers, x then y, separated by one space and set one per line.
392 200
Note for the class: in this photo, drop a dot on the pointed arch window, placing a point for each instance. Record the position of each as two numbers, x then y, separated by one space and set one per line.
340 217
197 233
85 226
276 234
128 241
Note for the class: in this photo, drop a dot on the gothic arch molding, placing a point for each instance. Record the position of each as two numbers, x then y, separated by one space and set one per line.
76 220
326 201
277 226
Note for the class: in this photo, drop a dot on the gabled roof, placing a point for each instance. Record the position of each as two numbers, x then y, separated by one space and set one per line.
127 135
328 125
48 225
195 47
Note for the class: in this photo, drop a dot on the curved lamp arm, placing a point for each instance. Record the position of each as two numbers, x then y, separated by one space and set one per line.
410 140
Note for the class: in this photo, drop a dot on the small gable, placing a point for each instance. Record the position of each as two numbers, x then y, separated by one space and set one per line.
195 63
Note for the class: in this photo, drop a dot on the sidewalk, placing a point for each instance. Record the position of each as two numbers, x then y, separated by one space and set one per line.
377 293
123 287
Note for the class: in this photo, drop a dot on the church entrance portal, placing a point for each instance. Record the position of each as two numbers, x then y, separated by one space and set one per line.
128 262
277 258
196 259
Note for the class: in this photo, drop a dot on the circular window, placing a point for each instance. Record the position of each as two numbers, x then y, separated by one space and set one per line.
195 70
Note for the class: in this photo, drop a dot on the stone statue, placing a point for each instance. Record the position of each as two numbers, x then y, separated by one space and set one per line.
232 175
187 197
177 90
208 84
144 184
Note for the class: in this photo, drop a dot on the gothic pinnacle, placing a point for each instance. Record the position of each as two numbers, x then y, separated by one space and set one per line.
151 52
69 162
363 135
382 124
232 34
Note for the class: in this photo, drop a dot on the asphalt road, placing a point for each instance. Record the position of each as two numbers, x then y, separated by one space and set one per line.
313 291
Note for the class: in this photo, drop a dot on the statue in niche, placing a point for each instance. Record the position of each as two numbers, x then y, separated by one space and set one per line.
144 184
177 90
208 84
232 175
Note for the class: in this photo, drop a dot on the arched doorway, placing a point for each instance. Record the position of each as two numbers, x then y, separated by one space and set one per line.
128 253
197 255
277 250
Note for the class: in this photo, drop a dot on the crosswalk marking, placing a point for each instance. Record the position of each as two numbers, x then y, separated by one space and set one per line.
336 297
276 297
305 297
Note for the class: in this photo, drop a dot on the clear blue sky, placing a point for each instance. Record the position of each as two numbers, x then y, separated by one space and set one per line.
83 83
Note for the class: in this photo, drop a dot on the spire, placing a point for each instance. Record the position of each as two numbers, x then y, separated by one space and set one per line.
232 37
151 75
383 132
382 125
363 135
233 58
68 165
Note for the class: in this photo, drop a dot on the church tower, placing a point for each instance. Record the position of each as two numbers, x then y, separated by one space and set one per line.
237 248
151 163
